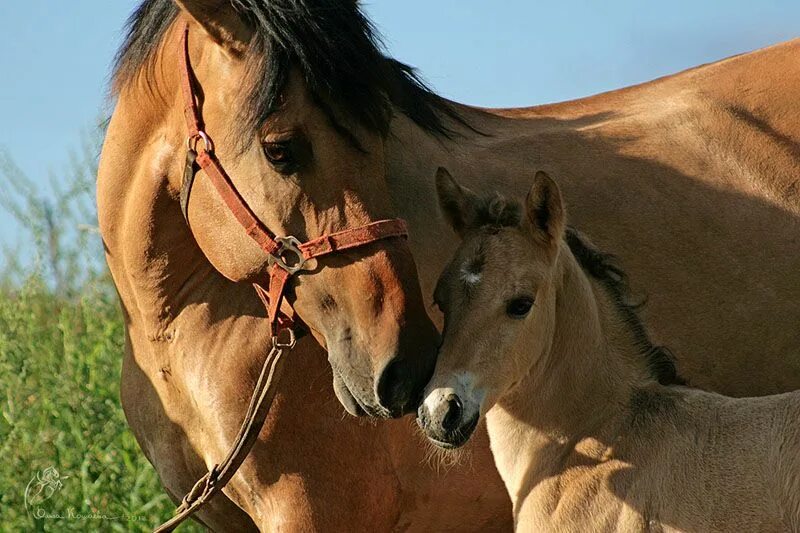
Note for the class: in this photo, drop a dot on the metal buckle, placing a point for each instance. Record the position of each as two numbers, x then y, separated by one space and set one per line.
286 344
291 245
192 140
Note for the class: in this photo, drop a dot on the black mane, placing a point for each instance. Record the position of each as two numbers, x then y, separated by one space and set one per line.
498 212
331 43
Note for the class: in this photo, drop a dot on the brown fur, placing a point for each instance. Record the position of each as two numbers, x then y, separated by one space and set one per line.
584 436
687 167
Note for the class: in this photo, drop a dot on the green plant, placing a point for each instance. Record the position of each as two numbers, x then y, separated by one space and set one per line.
56 219
61 346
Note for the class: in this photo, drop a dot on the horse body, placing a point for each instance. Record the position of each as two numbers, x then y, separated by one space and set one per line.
589 424
195 339
690 179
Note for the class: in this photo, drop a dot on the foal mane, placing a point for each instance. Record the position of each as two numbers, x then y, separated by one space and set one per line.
602 267
495 211
335 47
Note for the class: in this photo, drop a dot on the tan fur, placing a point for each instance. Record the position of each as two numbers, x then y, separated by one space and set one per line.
583 436
644 164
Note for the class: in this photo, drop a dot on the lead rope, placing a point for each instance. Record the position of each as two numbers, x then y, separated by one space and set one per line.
219 475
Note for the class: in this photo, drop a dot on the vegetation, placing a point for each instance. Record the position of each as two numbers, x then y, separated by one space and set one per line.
70 463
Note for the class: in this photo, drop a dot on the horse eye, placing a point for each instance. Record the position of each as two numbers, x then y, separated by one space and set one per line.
519 307
279 154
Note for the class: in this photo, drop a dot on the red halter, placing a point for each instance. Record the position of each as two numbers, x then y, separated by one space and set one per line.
287 255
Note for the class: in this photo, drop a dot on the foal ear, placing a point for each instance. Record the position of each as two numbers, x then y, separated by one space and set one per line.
457 203
546 214
220 21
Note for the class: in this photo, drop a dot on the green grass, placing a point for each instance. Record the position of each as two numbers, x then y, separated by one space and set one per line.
61 347
59 369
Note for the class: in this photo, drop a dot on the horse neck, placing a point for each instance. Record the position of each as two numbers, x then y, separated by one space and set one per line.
573 399
412 157
157 266
500 152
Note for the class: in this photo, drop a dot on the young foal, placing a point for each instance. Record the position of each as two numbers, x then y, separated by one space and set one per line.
589 426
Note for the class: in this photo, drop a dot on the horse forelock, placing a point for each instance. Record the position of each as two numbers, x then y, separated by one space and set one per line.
336 49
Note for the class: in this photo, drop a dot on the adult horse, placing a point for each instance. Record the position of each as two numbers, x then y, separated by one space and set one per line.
297 99
319 132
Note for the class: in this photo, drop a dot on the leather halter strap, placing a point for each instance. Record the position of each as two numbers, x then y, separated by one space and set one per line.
201 152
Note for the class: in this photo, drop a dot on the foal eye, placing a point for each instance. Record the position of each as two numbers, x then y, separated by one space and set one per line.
519 307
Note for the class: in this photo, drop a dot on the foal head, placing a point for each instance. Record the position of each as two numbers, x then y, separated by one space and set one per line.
298 98
498 298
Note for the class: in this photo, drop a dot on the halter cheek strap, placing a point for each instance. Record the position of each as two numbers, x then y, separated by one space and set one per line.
287 255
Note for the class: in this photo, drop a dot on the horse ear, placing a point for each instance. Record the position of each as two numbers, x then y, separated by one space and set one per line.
221 22
546 214
457 203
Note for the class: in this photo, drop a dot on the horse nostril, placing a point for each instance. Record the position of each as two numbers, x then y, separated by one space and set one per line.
453 415
393 387
422 416
400 385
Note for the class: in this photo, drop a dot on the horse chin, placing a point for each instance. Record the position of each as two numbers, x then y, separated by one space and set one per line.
449 440
352 403
456 439
346 397
355 395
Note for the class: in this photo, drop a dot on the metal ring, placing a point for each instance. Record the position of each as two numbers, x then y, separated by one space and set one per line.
191 142
291 245
289 343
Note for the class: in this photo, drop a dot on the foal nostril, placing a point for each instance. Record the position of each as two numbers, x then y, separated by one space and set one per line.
453 416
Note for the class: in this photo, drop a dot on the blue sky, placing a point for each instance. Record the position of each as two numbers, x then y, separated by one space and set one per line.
56 56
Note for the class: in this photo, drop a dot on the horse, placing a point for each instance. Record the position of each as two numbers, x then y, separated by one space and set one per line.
319 132
196 337
591 427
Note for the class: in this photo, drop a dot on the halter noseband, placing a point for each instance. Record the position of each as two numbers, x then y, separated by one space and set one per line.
287 255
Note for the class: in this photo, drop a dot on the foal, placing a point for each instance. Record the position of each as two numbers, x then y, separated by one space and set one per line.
590 427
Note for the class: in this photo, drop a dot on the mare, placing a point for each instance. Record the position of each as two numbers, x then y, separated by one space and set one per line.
320 132
590 426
